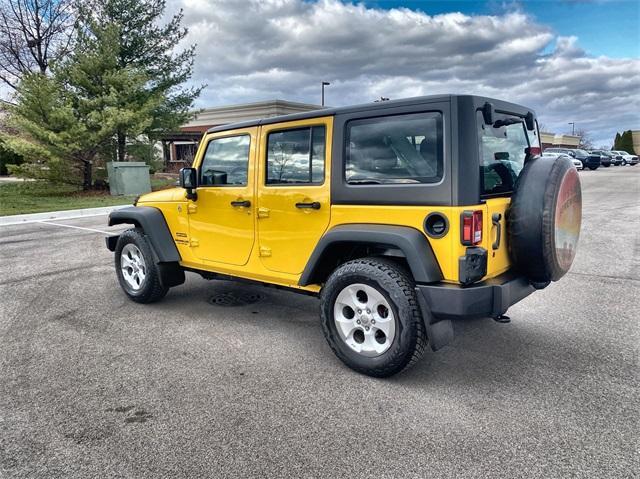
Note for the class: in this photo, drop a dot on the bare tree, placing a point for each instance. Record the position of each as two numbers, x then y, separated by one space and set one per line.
33 33
586 143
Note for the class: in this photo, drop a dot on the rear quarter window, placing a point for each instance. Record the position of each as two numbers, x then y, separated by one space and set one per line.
397 149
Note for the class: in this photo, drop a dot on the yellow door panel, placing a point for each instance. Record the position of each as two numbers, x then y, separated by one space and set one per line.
495 236
221 219
294 205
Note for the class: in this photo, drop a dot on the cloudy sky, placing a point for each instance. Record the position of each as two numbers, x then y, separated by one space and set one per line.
569 60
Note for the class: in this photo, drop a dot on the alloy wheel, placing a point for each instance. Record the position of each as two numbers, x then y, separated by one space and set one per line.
133 266
364 319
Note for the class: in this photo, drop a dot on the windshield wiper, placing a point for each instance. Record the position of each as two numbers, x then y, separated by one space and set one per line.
506 122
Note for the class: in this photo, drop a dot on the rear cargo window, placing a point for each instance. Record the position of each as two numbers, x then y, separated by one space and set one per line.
394 149
503 148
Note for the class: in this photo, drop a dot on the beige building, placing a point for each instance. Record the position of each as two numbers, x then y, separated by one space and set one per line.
635 135
549 140
180 147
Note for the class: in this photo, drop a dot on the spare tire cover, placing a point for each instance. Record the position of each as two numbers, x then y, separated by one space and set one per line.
543 220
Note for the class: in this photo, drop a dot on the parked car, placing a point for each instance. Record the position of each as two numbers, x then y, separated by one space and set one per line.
576 162
588 161
566 151
393 214
616 158
627 159
605 158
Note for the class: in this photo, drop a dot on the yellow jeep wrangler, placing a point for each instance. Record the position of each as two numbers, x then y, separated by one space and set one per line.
400 216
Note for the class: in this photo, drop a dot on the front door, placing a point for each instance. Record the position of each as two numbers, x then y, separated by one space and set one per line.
293 196
221 221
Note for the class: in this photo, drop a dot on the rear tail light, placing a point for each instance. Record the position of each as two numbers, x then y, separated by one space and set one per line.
471 233
534 150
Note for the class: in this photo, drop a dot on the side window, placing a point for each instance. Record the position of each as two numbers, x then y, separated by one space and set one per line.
226 161
296 156
399 149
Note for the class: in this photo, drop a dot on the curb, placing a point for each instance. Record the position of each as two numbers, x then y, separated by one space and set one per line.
57 215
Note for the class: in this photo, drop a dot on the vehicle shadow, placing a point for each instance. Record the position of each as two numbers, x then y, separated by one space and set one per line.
483 351
523 354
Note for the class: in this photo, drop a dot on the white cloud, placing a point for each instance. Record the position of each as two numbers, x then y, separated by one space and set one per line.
263 49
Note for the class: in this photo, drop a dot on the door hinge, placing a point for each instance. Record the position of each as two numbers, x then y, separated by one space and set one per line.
263 212
265 251
192 208
194 242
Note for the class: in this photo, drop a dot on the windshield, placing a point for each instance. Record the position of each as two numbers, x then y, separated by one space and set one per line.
502 154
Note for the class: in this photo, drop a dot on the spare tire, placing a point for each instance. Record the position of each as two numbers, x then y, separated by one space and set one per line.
543 220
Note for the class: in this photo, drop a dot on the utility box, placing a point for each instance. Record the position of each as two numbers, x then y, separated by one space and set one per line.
128 178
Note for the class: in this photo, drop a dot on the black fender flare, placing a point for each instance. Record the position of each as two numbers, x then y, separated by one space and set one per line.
413 244
155 228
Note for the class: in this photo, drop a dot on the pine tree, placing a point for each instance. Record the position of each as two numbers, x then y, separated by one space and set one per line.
65 119
626 142
147 45
616 142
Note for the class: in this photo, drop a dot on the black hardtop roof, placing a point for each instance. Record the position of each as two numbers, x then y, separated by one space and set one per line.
373 106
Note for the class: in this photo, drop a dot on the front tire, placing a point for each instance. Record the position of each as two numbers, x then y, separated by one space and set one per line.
371 318
136 269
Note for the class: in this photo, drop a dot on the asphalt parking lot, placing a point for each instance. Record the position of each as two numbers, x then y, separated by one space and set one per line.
94 385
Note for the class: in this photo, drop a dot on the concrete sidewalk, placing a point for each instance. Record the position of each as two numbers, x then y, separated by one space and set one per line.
57 215
13 179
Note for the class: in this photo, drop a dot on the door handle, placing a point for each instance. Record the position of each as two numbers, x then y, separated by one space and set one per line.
315 205
495 220
242 203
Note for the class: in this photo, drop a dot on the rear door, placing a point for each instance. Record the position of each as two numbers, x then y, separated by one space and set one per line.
502 154
293 191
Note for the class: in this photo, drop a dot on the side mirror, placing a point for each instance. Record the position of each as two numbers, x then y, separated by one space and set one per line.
189 181
530 121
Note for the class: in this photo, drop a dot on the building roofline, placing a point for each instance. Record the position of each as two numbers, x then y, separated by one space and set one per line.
331 112
257 104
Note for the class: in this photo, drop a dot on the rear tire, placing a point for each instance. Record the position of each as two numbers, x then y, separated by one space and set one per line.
593 168
136 269
371 317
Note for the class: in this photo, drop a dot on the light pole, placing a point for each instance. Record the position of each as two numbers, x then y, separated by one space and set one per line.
324 83
573 128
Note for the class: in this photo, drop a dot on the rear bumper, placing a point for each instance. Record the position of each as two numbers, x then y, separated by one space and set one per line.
490 298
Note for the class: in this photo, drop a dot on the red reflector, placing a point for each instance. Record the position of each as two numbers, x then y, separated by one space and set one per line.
471 227
535 150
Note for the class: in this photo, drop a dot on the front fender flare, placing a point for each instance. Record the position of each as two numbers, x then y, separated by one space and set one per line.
155 228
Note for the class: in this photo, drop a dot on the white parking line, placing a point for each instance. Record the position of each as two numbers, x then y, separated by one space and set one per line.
75 227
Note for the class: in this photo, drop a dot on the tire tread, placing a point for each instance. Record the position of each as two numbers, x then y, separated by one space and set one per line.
405 285
154 290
